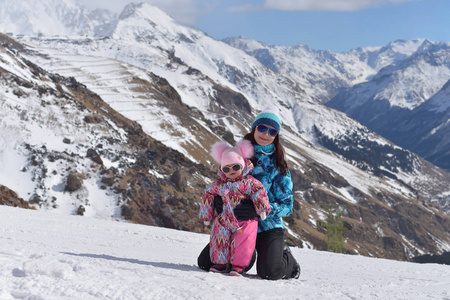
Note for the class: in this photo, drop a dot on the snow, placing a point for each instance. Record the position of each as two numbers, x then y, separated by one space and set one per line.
46 255
415 84
10 161
347 195
26 125
440 101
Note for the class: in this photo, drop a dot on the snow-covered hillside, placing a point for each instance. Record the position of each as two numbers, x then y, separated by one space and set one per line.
45 255
52 125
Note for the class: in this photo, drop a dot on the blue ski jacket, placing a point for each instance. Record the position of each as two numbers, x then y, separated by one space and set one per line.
278 187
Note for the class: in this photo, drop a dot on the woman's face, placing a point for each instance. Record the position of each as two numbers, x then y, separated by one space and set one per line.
263 138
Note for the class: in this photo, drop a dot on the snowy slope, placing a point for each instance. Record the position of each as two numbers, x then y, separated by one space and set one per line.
382 86
31 129
194 64
390 54
51 256
426 129
440 101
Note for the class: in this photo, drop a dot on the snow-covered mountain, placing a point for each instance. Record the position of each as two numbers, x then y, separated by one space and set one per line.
167 92
426 130
404 85
390 103
323 73
378 86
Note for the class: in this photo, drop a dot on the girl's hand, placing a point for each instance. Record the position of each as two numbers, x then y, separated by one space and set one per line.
263 215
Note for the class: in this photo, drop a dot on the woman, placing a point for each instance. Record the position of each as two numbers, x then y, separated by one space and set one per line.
275 260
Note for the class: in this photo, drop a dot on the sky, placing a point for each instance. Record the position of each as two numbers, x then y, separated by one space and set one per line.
47 255
338 25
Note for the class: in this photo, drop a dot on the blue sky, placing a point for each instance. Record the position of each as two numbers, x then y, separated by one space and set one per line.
337 25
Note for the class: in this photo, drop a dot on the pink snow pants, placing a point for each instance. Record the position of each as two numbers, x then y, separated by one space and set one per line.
236 247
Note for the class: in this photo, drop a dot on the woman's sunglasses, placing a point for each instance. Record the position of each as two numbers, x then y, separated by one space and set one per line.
263 128
234 167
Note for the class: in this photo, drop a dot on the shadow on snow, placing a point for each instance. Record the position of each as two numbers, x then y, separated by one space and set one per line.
164 265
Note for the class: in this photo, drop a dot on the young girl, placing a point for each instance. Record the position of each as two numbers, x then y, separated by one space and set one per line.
233 241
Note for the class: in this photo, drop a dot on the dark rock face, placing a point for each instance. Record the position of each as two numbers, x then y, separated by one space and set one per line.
179 180
10 198
74 182
92 154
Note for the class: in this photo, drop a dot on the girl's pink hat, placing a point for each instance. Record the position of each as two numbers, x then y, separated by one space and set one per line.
226 155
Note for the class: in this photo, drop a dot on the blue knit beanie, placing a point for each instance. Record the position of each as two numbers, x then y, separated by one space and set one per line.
268 116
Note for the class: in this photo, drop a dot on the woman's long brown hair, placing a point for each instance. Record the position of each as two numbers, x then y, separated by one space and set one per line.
279 151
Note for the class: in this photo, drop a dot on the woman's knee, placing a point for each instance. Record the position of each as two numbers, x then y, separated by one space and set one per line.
204 260
270 271
272 275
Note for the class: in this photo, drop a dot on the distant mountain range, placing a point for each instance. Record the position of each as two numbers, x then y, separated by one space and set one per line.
114 116
383 88
408 103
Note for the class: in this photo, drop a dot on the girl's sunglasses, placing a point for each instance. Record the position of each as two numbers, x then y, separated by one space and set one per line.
234 167
263 128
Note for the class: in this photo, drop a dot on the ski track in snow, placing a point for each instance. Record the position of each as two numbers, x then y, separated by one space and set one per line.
48 255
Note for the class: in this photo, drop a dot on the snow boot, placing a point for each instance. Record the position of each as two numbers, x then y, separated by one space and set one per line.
219 269
236 271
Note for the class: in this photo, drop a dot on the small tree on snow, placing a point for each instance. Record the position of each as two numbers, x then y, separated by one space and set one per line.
334 226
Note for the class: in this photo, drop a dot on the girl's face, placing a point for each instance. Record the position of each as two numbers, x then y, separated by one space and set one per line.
232 172
264 138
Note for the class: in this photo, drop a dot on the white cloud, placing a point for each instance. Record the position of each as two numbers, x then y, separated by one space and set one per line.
246 8
113 5
185 11
316 5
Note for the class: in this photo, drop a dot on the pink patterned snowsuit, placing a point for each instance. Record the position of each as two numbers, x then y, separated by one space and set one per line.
233 241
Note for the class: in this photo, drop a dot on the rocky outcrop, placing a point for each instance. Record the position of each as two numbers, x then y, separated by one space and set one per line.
10 198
